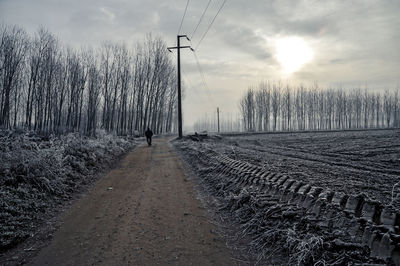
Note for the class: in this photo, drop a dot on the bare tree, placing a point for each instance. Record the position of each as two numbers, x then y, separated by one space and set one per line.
247 108
51 89
13 46
275 103
315 108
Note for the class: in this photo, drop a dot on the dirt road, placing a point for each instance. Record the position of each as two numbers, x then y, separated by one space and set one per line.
144 212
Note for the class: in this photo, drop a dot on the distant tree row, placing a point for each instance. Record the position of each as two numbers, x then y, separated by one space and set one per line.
227 123
273 107
48 88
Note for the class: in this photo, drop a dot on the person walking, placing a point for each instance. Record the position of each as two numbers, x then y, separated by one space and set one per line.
148 134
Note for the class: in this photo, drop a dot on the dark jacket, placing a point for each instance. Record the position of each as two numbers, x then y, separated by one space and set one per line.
148 133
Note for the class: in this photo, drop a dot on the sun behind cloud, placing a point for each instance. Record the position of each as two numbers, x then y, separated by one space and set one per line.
292 53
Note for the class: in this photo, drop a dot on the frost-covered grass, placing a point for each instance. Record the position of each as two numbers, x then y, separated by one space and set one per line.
37 173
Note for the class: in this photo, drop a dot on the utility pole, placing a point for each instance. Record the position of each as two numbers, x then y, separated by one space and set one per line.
218 117
179 47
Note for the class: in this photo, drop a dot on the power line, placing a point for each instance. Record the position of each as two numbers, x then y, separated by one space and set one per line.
189 84
196 91
202 76
184 14
201 18
199 68
204 35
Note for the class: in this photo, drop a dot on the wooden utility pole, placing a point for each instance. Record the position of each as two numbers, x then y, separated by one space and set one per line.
218 117
179 47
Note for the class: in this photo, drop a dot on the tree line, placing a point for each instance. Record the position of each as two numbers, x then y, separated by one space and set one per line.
47 87
273 107
209 122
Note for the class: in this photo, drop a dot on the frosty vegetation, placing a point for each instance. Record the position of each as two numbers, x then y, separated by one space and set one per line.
47 87
38 173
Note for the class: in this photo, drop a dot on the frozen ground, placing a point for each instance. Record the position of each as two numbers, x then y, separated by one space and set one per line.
352 162
38 174
306 198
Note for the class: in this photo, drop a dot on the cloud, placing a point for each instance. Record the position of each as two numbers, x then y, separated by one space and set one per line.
245 40
353 41
108 14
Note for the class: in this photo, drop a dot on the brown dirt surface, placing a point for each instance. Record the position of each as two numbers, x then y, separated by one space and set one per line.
143 212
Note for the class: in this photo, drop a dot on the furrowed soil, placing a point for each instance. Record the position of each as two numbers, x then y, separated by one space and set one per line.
314 198
352 162
143 212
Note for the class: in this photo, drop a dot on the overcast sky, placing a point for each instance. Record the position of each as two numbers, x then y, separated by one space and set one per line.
334 43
